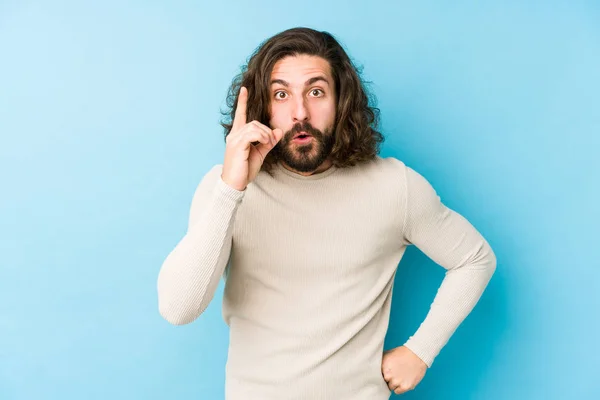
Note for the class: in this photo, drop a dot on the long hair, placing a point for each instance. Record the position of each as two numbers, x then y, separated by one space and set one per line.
356 138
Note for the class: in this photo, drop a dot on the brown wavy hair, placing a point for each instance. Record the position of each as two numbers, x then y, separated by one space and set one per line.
356 138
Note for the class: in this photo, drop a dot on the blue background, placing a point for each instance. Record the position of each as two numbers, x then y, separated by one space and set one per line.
109 116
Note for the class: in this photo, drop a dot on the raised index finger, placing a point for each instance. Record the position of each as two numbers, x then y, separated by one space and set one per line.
240 111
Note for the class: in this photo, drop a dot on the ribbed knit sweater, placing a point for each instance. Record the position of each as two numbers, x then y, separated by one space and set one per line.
309 265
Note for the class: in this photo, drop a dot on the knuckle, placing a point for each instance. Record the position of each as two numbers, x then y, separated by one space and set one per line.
258 124
406 387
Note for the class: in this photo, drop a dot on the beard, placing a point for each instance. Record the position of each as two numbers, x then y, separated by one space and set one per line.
304 157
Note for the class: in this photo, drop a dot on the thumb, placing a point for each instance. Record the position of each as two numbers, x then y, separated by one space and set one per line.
278 134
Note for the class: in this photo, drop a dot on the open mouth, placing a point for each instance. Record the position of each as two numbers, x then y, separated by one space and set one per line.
302 139
302 135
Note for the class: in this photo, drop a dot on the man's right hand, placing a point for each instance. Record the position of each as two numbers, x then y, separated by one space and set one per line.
242 158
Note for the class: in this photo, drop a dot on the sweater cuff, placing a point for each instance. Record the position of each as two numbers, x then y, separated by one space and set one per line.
227 191
425 352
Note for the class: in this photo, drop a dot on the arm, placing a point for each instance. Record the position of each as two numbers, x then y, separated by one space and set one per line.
452 242
190 274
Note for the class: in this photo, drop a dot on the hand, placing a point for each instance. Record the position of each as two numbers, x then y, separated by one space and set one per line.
242 158
402 369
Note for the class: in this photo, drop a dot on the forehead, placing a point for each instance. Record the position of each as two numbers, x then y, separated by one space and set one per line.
296 69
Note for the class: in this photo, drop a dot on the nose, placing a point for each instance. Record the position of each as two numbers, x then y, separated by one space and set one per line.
300 111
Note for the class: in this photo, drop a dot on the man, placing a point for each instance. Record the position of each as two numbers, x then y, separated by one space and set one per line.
307 225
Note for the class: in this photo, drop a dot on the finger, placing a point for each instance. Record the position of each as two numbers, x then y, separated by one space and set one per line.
399 390
266 130
265 148
255 135
278 133
240 111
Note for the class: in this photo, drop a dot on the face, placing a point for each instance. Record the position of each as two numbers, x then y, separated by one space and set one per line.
303 103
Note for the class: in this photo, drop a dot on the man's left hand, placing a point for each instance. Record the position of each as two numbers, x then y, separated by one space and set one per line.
402 369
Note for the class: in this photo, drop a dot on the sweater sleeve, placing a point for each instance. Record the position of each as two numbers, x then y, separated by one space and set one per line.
452 242
190 274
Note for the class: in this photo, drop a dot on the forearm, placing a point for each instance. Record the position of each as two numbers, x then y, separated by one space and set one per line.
458 294
190 274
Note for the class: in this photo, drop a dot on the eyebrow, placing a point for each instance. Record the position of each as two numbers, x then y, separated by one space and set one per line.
307 83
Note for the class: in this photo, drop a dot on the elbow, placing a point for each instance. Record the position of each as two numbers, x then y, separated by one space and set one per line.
176 315
484 260
174 318
491 261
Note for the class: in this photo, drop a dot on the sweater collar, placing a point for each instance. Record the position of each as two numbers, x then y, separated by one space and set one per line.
286 172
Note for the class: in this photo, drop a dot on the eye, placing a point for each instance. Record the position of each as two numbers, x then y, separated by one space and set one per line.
277 95
317 91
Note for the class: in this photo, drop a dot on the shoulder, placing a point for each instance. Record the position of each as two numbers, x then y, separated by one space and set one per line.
391 166
411 184
393 171
215 170
399 168
209 179
212 175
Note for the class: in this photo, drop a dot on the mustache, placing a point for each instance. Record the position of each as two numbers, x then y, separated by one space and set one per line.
303 127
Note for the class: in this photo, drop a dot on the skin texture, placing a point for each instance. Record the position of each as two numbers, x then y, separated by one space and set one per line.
303 98
402 369
242 158
298 105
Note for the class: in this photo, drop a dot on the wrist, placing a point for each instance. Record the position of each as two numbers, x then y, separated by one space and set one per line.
231 185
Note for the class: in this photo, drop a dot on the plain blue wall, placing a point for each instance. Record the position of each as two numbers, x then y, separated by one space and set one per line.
109 118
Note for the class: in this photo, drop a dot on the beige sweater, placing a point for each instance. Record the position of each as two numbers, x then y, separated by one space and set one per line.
309 266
